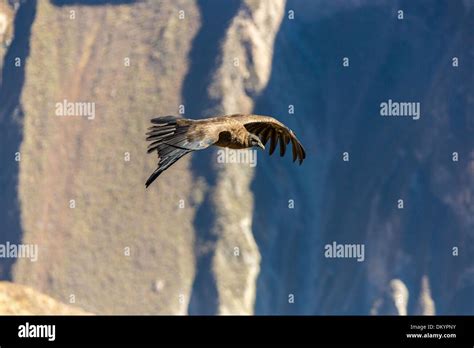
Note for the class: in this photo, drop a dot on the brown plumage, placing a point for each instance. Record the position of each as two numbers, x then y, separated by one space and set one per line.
174 137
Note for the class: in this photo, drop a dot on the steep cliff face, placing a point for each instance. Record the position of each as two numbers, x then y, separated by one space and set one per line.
337 110
101 237
242 73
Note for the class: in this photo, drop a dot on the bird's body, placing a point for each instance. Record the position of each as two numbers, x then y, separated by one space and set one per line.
232 134
174 137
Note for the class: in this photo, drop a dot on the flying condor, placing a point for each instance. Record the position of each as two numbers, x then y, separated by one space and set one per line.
173 137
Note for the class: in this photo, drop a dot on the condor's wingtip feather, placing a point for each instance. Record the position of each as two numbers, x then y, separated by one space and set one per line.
164 119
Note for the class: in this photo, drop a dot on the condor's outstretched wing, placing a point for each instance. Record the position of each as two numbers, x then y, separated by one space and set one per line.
268 128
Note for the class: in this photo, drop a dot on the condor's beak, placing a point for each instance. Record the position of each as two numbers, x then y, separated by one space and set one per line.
260 145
